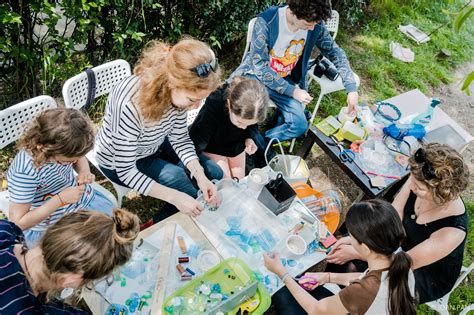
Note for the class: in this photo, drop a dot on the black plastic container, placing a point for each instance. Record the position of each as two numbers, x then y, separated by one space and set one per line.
277 198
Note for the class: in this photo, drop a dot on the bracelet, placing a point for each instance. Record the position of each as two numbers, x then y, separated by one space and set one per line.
61 200
329 277
283 278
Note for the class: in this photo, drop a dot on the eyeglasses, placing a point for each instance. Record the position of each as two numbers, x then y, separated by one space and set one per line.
204 69
427 168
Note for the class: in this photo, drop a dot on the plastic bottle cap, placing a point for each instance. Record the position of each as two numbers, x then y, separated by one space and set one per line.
207 259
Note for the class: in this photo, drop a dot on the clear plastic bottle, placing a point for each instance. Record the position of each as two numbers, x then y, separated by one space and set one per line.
425 118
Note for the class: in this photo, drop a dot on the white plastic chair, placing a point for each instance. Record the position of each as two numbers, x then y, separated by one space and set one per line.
328 86
75 92
441 305
107 75
14 120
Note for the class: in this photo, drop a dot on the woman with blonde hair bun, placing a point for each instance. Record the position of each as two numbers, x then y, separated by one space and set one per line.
144 143
81 247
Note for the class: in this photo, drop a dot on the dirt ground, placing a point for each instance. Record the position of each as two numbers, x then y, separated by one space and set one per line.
326 175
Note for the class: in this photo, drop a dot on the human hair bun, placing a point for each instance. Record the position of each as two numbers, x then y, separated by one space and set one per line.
126 226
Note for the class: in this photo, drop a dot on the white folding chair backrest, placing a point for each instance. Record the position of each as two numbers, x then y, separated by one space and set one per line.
192 114
249 36
14 119
107 75
332 24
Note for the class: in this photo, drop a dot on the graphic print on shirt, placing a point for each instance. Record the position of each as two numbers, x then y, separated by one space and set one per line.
284 64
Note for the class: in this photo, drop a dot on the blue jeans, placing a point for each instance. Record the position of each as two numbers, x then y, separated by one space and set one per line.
98 203
166 168
291 122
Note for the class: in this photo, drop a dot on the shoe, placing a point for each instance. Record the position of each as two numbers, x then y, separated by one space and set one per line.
147 224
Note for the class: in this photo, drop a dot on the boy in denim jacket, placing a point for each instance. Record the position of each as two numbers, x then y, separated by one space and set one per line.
282 41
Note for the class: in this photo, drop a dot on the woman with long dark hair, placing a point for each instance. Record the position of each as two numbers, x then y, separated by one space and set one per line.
386 287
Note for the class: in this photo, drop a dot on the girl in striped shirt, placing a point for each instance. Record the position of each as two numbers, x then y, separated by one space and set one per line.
41 180
144 143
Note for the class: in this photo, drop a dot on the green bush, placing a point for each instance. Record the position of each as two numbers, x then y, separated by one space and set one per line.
102 30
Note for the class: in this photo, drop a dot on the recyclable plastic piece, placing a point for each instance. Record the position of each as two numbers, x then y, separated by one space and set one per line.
400 131
425 118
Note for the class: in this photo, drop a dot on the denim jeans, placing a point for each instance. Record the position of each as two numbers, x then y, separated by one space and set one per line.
98 203
286 304
166 168
292 121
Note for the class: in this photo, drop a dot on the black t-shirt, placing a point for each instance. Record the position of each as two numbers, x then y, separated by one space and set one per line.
435 280
212 130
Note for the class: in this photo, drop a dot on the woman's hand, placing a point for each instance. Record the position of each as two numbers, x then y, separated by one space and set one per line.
209 191
85 178
342 254
250 146
187 204
273 263
71 194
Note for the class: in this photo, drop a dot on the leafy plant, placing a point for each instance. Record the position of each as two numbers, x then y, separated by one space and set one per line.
460 19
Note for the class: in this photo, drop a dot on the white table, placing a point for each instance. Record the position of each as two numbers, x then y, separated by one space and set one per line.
415 102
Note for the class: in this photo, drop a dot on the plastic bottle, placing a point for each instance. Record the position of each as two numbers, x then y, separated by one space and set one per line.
425 118
399 131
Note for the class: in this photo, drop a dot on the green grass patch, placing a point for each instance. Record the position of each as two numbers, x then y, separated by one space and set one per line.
383 76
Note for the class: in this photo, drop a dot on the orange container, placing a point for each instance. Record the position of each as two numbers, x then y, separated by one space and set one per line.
323 207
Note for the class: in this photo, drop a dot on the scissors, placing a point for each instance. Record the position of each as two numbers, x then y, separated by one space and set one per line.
274 184
345 155
312 281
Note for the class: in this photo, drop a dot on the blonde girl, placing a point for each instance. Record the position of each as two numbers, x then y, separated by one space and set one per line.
226 126
143 142
81 247
41 180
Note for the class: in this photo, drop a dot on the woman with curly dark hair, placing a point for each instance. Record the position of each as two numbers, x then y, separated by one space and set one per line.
434 218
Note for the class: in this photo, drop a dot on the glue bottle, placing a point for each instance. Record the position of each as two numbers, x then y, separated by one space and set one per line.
425 118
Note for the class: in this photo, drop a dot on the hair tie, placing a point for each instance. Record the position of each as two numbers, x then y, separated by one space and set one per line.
398 250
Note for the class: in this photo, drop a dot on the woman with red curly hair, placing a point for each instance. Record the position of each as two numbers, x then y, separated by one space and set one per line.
434 218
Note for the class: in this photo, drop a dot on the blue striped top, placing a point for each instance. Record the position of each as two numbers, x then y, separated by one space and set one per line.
28 184
16 295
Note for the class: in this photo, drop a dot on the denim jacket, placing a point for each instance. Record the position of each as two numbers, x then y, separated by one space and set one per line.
257 60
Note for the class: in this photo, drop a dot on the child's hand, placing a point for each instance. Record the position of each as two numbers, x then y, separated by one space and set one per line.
273 263
72 194
250 146
311 280
302 96
85 178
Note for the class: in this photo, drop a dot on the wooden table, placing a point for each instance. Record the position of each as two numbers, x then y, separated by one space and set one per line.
409 103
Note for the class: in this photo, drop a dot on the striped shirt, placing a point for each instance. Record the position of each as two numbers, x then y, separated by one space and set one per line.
125 138
16 295
29 184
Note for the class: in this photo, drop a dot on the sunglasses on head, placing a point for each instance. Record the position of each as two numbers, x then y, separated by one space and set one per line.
427 168
203 69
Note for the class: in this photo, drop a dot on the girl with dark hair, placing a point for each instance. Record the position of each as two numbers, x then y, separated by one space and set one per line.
228 122
434 218
386 287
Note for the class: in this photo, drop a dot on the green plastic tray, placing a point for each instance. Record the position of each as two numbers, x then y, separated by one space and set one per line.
233 276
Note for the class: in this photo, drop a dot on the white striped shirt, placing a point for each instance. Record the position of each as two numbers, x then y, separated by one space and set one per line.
28 184
125 138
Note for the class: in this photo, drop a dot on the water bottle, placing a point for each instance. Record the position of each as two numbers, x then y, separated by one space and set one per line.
399 131
425 118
